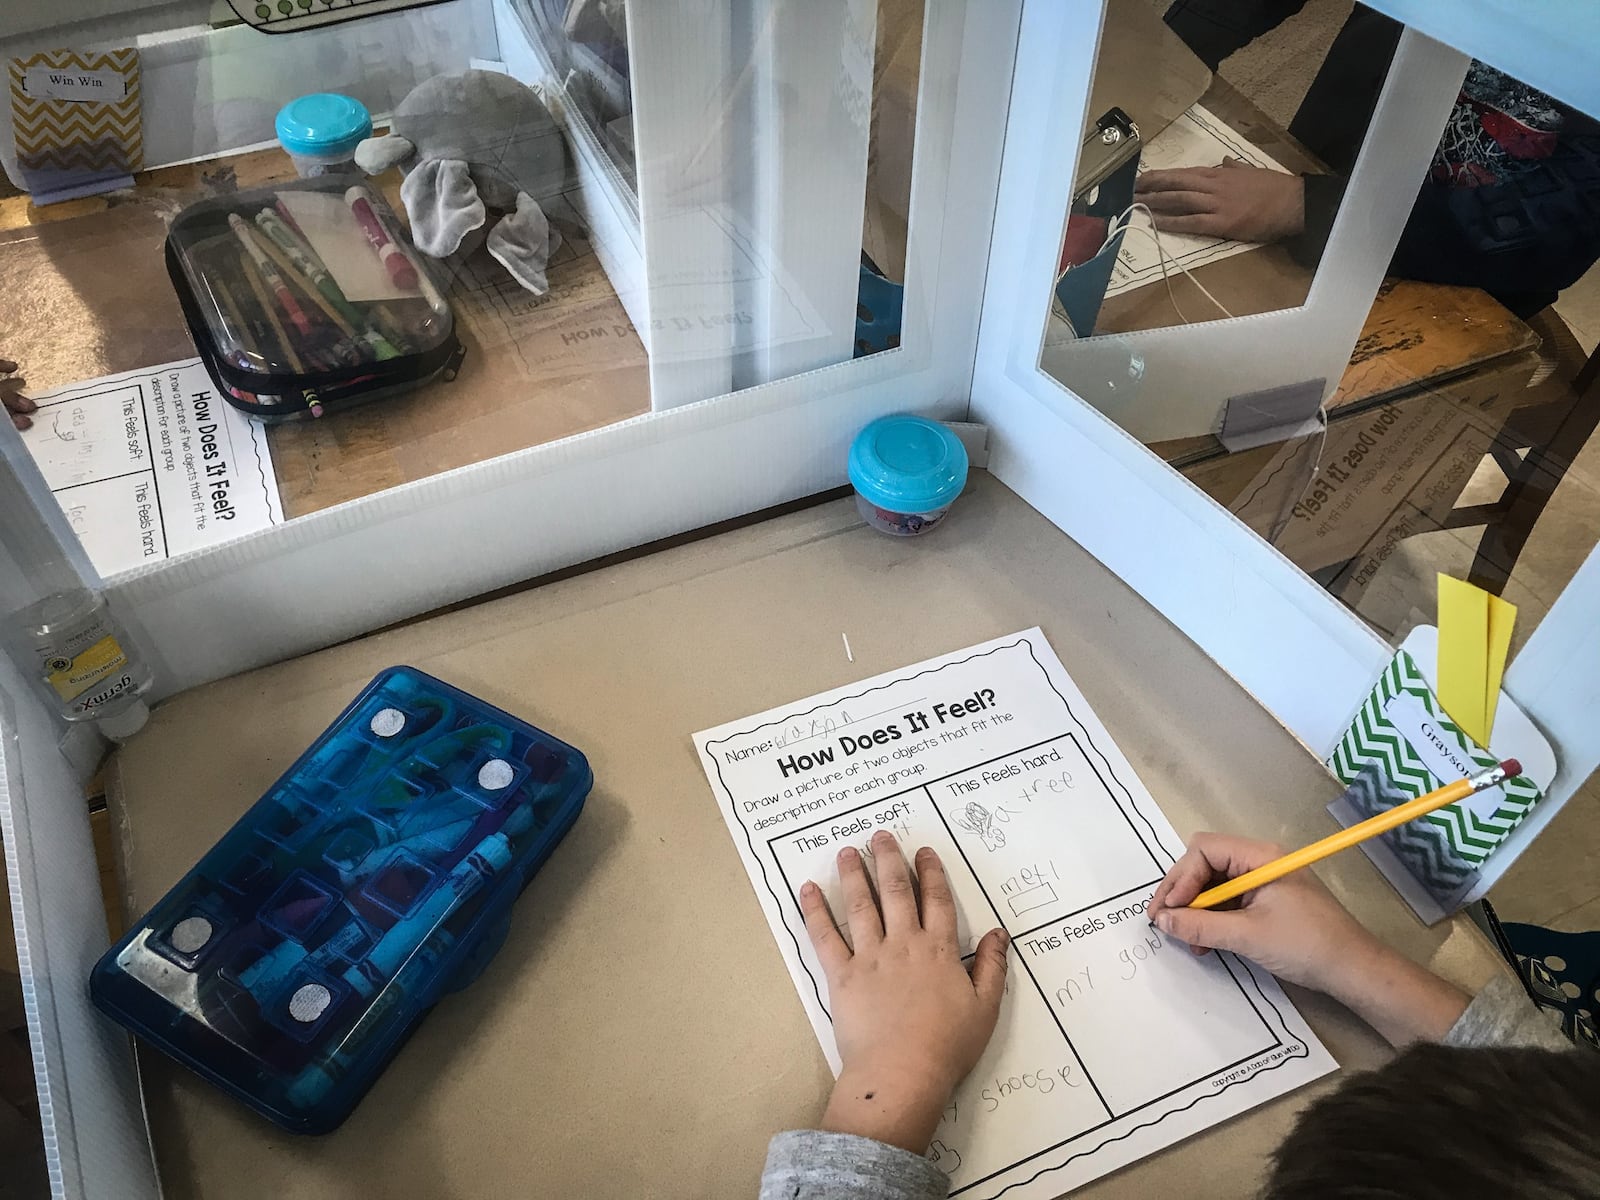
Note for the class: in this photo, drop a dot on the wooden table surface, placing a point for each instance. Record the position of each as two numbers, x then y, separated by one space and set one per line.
1415 334
88 295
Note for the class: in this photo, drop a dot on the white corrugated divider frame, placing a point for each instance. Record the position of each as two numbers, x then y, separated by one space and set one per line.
1296 649
604 199
89 1101
1551 44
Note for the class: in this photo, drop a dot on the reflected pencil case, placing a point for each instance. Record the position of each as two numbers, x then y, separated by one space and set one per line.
378 874
308 297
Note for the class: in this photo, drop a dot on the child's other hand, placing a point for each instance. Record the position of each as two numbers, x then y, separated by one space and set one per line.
12 398
1297 930
909 1020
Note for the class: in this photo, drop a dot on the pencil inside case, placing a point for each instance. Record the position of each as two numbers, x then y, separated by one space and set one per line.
375 876
302 301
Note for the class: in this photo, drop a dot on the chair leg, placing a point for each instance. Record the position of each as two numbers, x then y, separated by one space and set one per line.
1532 486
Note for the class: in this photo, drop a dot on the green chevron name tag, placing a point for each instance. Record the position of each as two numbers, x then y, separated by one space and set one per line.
1403 736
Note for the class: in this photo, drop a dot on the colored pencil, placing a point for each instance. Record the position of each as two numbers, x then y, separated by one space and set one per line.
367 339
274 281
290 353
1356 834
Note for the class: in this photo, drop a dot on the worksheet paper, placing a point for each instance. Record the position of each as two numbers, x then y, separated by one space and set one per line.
1198 138
152 463
1113 1042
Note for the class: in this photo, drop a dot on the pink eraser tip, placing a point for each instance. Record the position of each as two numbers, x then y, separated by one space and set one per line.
1511 767
402 272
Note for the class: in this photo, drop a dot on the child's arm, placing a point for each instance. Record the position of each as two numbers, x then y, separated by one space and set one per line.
909 1020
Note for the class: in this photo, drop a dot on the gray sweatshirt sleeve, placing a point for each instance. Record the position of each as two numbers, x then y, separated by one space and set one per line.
807 1164
1502 1015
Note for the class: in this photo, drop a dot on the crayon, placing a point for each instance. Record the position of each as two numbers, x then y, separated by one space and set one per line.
411 936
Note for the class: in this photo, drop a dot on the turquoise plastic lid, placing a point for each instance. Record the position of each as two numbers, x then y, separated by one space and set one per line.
908 464
323 123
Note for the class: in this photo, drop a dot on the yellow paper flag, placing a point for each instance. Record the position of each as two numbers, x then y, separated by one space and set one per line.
1474 639
1502 616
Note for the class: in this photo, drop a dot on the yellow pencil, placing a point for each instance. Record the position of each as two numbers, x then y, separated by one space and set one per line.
1360 832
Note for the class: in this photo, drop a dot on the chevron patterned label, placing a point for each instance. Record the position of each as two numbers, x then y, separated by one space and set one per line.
1391 752
76 116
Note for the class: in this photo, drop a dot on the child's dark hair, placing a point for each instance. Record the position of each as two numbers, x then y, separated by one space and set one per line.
1448 1123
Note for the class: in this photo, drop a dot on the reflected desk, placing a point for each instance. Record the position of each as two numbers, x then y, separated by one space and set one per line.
639 1034
87 295
1436 376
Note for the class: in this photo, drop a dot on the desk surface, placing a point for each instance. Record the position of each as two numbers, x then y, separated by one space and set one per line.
88 295
638 1034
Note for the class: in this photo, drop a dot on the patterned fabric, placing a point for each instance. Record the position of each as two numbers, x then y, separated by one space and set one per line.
1499 128
1562 970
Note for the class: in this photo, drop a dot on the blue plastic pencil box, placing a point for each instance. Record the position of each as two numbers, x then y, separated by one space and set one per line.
289 966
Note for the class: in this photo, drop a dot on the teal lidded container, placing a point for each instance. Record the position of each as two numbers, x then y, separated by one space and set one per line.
907 471
321 131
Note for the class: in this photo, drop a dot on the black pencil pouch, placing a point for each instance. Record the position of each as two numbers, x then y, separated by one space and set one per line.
308 298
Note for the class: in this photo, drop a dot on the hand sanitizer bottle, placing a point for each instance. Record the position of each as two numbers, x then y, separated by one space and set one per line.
55 623
82 661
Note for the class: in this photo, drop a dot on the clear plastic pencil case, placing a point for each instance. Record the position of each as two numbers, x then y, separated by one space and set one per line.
308 297
378 874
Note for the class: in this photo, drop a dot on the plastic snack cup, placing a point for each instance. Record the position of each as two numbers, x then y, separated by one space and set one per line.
321 132
907 471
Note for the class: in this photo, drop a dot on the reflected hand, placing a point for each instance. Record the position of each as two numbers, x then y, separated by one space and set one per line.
1296 929
909 1020
18 405
1234 200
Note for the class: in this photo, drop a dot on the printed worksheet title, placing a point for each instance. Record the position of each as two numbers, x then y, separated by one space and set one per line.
846 744
216 483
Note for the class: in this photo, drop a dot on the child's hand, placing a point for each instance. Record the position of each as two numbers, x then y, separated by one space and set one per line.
12 398
909 1020
1294 927
1297 930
